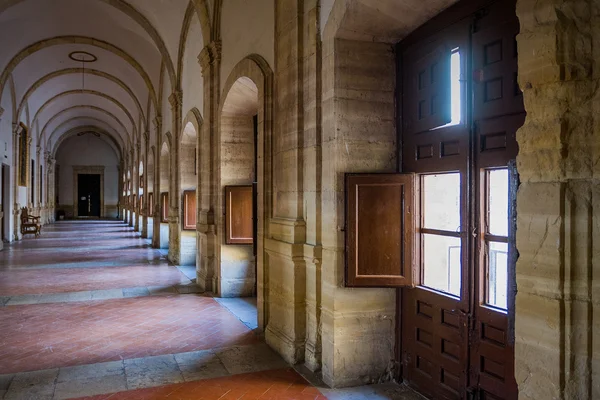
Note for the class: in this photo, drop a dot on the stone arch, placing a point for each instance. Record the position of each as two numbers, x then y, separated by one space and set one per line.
42 44
118 139
188 182
109 114
185 29
139 18
84 91
112 141
68 71
252 80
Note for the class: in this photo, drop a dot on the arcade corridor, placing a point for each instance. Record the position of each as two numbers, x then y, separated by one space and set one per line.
90 310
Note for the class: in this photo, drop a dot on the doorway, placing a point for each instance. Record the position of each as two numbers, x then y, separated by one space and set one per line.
5 201
461 109
88 195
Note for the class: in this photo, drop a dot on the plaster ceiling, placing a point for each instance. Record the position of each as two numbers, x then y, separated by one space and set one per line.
131 40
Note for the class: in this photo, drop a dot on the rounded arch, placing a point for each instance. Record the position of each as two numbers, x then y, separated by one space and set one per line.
68 71
89 128
109 114
194 118
60 40
90 92
255 78
185 29
140 19
113 134
13 96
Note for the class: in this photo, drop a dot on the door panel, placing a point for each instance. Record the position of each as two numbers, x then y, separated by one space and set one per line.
460 347
434 343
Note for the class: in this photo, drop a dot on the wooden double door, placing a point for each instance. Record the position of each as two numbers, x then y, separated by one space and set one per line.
456 334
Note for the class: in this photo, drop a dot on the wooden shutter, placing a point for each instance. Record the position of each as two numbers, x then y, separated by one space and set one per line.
189 210
238 215
151 204
380 230
142 210
427 92
164 203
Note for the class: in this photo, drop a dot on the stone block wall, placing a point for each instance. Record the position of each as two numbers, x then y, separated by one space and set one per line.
557 317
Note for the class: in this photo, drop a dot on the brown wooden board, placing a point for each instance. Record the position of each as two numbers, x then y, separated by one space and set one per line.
380 228
238 215
189 210
164 207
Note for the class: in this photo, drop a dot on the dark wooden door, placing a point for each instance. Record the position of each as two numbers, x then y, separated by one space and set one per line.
456 335
88 188
498 112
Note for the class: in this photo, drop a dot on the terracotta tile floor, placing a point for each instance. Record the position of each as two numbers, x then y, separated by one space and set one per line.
176 346
283 384
61 280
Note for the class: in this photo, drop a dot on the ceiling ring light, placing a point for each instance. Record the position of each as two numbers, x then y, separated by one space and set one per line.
82 57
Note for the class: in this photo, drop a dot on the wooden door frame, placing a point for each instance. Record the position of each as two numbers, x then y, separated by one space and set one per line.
87 170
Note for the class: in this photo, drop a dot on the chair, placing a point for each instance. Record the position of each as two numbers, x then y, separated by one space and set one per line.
30 223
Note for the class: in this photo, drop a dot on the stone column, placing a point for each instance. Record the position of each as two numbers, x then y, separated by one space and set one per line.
145 208
175 99
156 185
209 59
312 171
286 325
51 189
558 212
37 206
136 186
132 191
17 130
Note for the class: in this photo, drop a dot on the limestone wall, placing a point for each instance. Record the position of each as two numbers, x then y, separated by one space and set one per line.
557 317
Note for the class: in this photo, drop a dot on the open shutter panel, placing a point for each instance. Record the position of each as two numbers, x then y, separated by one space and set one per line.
380 229
189 210
428 92
165 207
238 215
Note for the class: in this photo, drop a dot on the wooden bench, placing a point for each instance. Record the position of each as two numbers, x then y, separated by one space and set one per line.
30 223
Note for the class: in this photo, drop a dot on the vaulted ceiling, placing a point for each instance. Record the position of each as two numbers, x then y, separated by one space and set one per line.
124 44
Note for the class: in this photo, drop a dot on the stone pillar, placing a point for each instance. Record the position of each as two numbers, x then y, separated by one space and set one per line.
37 205
286 325
209 60
132 191
557 315
156 185
136 186
312 171
145 208
175 100
17 130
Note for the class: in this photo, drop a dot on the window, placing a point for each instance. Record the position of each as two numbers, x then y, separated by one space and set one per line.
142 211
496 236
440 232
189 210
164 203
455 90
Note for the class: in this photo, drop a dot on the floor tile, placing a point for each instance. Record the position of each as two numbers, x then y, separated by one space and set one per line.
152 371
244 359
32 385
200 365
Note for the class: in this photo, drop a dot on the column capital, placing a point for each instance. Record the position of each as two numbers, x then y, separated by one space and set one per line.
176 99
17 129
157 122
210 54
